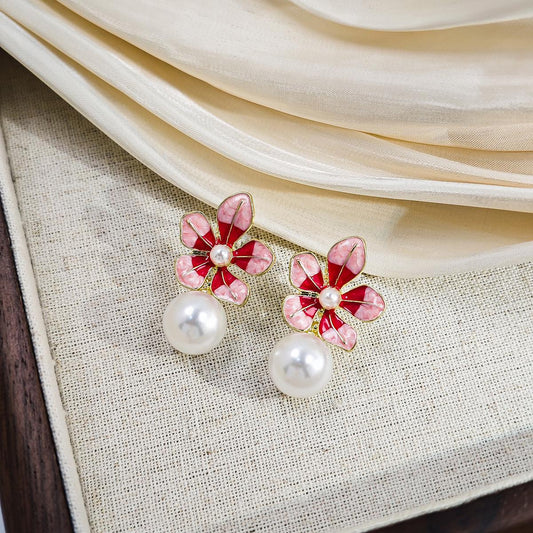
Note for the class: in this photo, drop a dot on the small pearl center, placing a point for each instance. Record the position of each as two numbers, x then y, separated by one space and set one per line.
221 255
329 298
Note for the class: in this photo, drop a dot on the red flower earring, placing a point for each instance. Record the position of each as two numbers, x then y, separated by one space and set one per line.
300 364
195 322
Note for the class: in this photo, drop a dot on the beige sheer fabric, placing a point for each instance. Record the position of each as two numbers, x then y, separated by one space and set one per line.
466 91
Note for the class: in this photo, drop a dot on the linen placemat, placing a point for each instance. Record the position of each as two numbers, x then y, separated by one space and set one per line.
434 406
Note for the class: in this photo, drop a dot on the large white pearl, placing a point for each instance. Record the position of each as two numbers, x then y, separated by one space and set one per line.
329 298
194 322
300 365
221 255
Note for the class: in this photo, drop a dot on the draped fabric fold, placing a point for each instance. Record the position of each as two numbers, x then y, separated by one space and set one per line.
467 87
280 144
391 15
421 142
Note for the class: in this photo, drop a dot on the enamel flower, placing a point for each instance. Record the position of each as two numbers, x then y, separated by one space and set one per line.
317 306
217 251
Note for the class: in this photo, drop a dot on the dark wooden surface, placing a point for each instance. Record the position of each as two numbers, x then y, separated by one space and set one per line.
31 489
508 511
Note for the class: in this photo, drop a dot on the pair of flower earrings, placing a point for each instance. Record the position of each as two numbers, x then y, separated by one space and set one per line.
300 364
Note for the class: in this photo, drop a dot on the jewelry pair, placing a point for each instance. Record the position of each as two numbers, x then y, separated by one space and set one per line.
300 364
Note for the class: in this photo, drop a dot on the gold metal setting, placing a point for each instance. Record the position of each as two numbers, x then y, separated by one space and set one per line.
206 285
314 327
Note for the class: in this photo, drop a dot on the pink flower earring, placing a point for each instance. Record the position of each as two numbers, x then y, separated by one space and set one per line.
195 322
300 364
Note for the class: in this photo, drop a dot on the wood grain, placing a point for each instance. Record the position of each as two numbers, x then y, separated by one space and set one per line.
31 489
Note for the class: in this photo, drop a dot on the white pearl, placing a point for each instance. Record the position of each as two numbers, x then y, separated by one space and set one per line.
329 298
300 365
221 255
194 322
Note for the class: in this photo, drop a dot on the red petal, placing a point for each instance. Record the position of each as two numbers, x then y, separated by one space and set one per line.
335 331
346 260
229 288
254 257
235 215
192 270
196 232
305 273
363 302
299 311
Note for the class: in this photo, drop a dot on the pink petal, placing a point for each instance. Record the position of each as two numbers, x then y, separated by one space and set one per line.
363 302
235 216
336 331
196 232
305 273
299 311
192 270
254 257
227 287
346 260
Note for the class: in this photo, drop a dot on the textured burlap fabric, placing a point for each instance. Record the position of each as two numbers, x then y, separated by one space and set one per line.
434 406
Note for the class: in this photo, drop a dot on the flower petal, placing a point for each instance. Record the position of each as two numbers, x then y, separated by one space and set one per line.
254 257
363 303
229 288
192 270
305 273
346 260
196 232
299 311
234 216
335 331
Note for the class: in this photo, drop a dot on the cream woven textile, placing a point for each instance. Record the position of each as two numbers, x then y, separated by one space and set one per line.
283 84
435 405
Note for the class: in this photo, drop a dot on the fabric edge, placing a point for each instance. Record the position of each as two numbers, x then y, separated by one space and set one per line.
445 504
43 356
